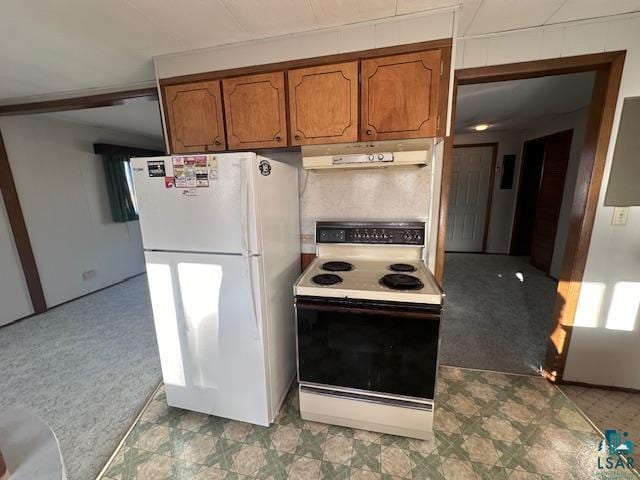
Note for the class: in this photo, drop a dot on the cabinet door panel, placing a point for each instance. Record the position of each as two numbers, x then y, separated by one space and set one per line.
323 104
194 117
400 96
255 111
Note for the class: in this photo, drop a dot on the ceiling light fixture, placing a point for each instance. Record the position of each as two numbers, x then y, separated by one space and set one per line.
481 127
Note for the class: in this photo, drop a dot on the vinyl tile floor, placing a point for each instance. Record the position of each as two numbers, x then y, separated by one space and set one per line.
487 426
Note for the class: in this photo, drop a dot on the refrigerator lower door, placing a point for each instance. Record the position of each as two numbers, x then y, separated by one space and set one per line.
206 316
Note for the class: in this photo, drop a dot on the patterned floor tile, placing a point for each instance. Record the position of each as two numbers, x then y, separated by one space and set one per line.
481 450
395 461
455 469
305 468
311 444
367 436
366 455
277 465
285 438
423 446
236 431
446 422
486 426
338 449
451 445
426 466
332 471
358 474
198 449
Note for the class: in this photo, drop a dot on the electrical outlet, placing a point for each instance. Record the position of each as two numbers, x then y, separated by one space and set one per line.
620 215
307 238
88 274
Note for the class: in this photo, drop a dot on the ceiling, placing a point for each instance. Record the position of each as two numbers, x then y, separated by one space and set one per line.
62 46
521 104
140 117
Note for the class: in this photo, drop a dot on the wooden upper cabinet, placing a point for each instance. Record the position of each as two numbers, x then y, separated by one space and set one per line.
255 111
323 104
400 96
194 117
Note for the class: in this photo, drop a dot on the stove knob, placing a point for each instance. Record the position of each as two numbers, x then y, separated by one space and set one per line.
371 158
380 156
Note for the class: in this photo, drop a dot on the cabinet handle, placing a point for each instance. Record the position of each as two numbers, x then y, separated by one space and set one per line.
369 132
297 137
278 138
217 142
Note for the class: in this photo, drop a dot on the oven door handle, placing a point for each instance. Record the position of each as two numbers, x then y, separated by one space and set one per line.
399 312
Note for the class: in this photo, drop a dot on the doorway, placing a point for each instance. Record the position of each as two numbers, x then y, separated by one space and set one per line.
606 71
542 184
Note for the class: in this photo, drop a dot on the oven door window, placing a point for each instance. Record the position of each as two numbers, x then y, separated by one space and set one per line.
385 350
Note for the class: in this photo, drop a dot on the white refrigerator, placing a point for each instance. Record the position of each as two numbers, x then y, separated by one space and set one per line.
222 248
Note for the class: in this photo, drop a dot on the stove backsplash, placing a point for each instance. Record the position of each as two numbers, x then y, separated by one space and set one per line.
381 194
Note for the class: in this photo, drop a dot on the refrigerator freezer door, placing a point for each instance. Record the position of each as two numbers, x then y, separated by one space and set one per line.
208 218
209 337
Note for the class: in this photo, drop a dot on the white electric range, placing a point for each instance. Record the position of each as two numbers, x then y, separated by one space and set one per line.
368 316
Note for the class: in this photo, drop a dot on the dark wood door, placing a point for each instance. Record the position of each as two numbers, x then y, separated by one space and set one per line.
255 111
556 160
323 104
400 96
531 173
194 117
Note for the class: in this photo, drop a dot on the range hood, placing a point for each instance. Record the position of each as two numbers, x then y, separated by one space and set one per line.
416 151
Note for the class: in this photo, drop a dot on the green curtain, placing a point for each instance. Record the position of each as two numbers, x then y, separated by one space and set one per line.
121 200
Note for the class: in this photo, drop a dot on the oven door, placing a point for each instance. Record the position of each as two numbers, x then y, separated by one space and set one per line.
383 347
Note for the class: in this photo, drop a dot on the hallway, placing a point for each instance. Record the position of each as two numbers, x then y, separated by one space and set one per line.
493 320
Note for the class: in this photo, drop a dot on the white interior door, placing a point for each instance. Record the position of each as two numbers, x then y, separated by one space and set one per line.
470 181
208 326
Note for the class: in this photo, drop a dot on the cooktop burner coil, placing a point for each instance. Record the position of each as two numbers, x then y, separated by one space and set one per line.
337 266
327 279
402 267
400 281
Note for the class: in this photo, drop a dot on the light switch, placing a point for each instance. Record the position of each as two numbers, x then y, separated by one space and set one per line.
620 215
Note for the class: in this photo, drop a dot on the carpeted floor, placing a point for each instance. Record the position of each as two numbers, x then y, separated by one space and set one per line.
86 368
492 320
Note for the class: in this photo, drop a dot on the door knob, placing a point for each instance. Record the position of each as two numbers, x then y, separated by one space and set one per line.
278 138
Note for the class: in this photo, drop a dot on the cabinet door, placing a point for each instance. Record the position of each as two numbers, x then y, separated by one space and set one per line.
400 96
194 117
255 112
323 104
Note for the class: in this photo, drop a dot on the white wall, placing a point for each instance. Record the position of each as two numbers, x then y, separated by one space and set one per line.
578 122
606 334
502 201
14 295
62 191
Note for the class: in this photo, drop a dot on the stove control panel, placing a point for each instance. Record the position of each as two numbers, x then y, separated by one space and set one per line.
409 233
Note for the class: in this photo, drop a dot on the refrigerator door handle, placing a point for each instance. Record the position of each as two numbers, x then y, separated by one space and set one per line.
246 254
255 334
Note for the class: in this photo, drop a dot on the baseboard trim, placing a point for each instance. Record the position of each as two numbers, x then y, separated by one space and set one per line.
560 383
71 300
